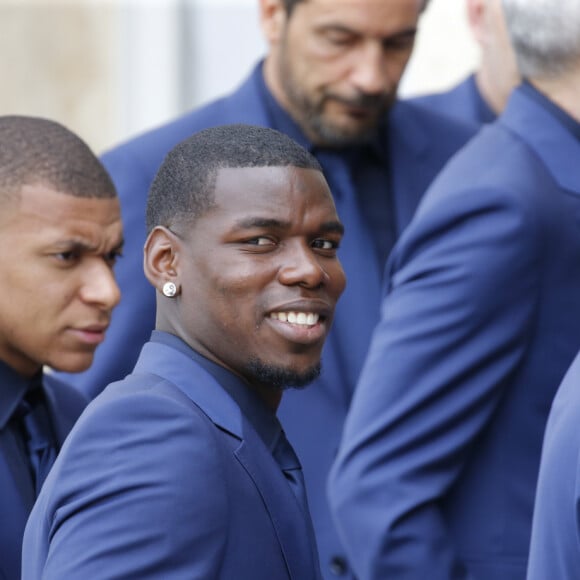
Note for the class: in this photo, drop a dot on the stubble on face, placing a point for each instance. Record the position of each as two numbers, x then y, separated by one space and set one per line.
310 110
279 378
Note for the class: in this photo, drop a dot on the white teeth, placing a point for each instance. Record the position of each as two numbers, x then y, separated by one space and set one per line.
301 318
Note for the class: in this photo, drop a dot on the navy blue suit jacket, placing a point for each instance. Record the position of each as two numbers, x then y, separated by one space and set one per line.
420 142
439 459
17 493
555 544
463 101
164 477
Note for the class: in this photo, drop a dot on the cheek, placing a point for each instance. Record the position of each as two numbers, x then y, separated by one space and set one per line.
396 65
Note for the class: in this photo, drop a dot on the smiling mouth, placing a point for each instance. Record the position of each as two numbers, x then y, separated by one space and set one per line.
298 318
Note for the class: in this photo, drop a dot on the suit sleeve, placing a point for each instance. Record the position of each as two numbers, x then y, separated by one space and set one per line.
138 492
454 327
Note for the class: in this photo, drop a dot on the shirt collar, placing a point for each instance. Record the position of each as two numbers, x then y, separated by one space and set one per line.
258 414
12 390
567 120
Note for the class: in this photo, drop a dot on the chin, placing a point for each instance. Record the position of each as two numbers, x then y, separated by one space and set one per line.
282 377
72 366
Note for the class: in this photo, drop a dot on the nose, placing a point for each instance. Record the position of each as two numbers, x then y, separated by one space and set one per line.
302 267
99 285
369 72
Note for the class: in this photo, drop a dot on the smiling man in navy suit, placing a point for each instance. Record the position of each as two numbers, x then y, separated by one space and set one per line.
329 81
437 469
182 470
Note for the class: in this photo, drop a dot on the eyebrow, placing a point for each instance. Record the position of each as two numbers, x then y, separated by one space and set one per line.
344 29
259 222
74 244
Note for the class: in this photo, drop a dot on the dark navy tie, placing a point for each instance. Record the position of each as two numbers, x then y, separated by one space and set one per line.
38 435
292 470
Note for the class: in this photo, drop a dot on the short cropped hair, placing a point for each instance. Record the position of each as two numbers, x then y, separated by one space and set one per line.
545 35
34 150
184 187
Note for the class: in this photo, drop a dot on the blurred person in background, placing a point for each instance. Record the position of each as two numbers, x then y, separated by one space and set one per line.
438 465
483 95
548 33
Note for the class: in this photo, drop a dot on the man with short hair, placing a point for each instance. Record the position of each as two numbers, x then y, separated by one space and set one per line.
329 81
483 95
437 469
60 233
182 470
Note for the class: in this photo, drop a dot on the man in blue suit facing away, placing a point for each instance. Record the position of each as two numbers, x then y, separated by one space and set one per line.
182 470
555 543
439 460
482 95
329 81
60 231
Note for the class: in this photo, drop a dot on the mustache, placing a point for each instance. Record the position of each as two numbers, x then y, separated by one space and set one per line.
372 102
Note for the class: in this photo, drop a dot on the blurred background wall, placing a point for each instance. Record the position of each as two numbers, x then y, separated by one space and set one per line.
109 69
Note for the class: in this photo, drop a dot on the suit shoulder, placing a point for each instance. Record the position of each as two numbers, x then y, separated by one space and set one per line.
145 427
148 148
436 121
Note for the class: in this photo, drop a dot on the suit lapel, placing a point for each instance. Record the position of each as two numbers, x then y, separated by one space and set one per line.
202 389
553 143
292 527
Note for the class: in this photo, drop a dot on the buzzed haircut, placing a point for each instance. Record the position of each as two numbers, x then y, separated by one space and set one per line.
35 150
184 187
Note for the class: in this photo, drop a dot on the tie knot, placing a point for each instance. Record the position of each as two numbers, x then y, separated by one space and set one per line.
284 453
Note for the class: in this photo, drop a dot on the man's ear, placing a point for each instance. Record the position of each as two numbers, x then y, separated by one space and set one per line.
476 16
160 257
272 19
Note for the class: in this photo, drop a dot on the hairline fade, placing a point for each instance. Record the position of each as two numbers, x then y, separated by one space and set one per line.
184 186
35 150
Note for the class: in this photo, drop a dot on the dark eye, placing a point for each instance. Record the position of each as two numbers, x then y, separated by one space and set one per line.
70 256
404 42
112 257
261 241
340 39
322 244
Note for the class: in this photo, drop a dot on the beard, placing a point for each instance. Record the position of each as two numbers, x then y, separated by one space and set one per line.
308 110
280 378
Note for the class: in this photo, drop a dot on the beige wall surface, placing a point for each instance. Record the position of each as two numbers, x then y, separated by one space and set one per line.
57 61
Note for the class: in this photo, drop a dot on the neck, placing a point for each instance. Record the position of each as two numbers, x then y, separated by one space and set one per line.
562 90
491 90
270 397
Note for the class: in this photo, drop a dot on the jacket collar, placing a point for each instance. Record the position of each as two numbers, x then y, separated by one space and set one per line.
554 144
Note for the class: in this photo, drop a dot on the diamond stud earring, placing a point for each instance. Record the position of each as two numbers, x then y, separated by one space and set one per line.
169 289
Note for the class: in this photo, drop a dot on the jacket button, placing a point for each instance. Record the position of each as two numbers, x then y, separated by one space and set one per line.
338 566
